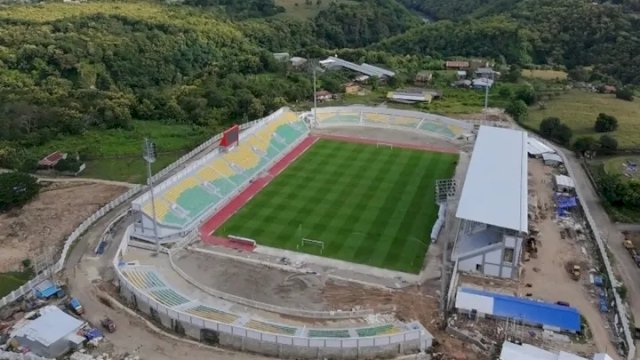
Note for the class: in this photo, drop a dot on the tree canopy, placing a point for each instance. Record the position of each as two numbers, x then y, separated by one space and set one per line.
16 189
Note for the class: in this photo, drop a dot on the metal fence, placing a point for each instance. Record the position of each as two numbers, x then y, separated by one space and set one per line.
58 266
620 307
419 334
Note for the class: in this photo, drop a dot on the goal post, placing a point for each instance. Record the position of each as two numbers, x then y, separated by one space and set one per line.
312 243
384 145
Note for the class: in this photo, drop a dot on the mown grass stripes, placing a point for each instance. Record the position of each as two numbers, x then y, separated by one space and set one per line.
369 205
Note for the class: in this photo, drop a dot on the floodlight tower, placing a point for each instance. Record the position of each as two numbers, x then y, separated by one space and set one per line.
150 154
315 98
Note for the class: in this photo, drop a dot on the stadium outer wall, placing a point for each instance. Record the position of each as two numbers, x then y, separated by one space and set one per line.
280 346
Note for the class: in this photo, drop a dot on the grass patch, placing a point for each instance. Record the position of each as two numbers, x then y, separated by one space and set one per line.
615 165
369 205
597 168
10 281
579 110
117 154
544 74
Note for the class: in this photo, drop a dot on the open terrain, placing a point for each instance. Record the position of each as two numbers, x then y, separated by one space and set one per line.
579 110
42 225
544 74
367 204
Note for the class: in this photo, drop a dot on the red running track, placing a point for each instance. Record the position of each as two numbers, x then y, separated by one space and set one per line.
207 229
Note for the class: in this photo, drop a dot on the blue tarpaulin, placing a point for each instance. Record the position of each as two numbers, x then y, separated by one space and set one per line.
565 202
532 312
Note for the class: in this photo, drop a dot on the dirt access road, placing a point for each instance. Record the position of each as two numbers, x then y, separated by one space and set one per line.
622 262
554 253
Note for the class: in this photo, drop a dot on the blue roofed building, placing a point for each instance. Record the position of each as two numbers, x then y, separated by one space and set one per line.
532 312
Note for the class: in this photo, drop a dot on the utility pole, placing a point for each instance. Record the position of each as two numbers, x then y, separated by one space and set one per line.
315 100
486 96
150 154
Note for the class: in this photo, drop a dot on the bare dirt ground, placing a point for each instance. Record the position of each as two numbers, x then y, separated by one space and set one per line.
547 273
255 282
43 224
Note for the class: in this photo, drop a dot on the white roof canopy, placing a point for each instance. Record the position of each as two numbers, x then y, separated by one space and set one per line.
495 187
536 147
564 181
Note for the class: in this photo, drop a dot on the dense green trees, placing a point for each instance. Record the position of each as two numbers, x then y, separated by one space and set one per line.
605 123
554 129
624 93
363 23
16 189
619 191
517 109
573 33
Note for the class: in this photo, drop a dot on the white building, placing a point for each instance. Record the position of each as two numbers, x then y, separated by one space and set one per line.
563 183
537 148
512 351
493 205
48 332
552 159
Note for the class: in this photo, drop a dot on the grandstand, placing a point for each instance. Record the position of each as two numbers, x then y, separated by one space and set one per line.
148 280
434 125
207 184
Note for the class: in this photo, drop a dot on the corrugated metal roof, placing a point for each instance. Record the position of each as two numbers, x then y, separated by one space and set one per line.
495 188
565 181
511 351
552 157
52 325
536 147
533 312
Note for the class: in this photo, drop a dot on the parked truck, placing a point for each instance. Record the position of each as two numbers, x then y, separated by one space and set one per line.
75 306
632 251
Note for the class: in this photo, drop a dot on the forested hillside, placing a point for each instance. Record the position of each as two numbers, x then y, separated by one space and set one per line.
556 32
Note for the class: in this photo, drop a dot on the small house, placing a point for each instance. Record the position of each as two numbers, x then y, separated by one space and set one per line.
423 77
552 159
461 74
283 56
51 160
409 96
609 89
323 95
48 332
462 83
297 61
352 88
456 64
481 83
486 73
563 183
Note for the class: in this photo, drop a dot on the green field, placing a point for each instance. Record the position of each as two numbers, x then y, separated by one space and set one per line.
579 110
116 154
10 281
368 205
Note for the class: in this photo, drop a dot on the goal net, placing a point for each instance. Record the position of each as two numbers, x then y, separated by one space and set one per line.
384 145
311 244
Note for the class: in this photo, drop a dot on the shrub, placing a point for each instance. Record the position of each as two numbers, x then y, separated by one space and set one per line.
69 164
526 94
624 93
517 109
16 189
608 145
554 129
605 123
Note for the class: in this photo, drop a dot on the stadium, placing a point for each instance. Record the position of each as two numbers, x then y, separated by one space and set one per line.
355 194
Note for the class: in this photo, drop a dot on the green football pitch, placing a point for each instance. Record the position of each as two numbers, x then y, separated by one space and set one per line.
366 204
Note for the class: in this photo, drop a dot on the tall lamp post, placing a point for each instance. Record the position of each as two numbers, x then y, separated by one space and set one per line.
150 154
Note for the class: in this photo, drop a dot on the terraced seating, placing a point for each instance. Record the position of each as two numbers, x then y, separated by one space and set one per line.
329 333
376 118
196 199
271 328
437 128
405 121
212 314
162 208
144 279
168 297
379 330
174 192
339 118
243 157
289 134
